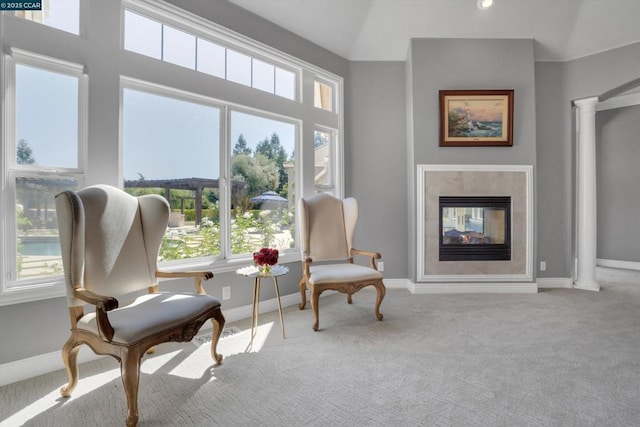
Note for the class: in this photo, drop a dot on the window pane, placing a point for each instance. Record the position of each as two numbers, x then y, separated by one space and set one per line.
285 84
211 58
172 147
263 76
322 96
263 176
322 155
46 118
38 251
142 35
179 47
61 14
238 67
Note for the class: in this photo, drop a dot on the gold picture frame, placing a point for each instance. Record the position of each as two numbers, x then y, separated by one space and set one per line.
476 118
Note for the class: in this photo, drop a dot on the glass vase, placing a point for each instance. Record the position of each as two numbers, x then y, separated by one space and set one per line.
264 269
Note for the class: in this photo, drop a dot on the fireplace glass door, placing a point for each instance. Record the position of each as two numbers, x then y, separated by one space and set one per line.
475 228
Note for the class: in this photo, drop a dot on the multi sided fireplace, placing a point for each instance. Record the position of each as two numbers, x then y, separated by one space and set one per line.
475 228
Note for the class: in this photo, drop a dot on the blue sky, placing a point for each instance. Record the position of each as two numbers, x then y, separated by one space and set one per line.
163 137
169 138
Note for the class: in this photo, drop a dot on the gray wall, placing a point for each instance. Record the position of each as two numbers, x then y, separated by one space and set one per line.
618 183
555 173
447 64
557 85
375 154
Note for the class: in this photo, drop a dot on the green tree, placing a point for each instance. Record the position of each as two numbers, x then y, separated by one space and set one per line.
24 153
259 173
241 146
273 150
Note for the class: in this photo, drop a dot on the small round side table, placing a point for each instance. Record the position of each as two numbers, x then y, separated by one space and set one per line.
252 271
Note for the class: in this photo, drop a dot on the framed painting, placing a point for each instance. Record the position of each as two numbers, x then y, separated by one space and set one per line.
476 118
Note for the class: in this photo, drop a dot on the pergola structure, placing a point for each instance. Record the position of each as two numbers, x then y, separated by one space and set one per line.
193 184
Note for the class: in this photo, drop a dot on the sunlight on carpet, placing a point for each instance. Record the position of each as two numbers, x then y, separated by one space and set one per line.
233 341
53 398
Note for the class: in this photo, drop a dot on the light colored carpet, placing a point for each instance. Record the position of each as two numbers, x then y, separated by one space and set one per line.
558 358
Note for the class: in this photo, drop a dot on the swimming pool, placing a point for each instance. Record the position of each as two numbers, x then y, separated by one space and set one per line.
42 248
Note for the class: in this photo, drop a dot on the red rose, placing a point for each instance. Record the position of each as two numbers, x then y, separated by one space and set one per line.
266 256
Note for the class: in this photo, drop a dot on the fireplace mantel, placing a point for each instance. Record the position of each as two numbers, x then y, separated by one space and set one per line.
514 275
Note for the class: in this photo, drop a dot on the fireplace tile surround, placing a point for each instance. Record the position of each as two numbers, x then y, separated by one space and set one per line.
515 181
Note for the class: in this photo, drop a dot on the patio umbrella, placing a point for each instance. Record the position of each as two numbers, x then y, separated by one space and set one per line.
269 197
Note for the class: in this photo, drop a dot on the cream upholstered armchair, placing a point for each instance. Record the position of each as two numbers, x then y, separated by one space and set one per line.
110 242
327 225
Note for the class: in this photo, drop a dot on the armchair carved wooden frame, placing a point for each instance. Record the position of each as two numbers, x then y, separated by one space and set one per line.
110 242
327 225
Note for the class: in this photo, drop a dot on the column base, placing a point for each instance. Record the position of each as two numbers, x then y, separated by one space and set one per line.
587 286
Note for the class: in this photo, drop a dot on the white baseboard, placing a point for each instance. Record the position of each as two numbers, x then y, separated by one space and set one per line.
397 283
468 287
554 282
39 365
612 263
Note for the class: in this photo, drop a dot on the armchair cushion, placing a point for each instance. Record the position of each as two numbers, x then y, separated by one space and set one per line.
150 314
340 273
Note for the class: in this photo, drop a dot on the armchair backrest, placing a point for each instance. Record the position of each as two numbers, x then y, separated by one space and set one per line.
326 227
109 239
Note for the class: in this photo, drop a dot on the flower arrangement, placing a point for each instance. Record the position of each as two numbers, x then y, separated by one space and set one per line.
265 259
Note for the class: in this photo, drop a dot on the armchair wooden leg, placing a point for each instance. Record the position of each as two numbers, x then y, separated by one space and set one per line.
349 299
381 293
303 296
130 373
315 296
70 359
218 321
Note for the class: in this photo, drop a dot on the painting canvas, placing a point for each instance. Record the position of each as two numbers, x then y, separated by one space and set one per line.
476 118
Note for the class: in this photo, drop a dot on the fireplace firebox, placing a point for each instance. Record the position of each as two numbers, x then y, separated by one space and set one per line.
475 228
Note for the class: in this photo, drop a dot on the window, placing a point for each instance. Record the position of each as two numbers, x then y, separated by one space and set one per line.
142 35
149 37
285 84
238 67
179 47
324 160
263 76
322 97
61 14
211 58
46 137
171 146
263 174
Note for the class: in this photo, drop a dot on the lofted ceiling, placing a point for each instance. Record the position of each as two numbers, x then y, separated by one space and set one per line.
380 30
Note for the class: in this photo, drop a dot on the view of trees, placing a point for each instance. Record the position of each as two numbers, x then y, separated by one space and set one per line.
24 153
260 170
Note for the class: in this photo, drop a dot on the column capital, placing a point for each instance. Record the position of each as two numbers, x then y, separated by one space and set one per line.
586 104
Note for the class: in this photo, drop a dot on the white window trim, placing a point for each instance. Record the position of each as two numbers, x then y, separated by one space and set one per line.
14 291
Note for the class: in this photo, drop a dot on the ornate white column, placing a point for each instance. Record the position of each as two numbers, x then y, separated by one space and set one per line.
586 197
